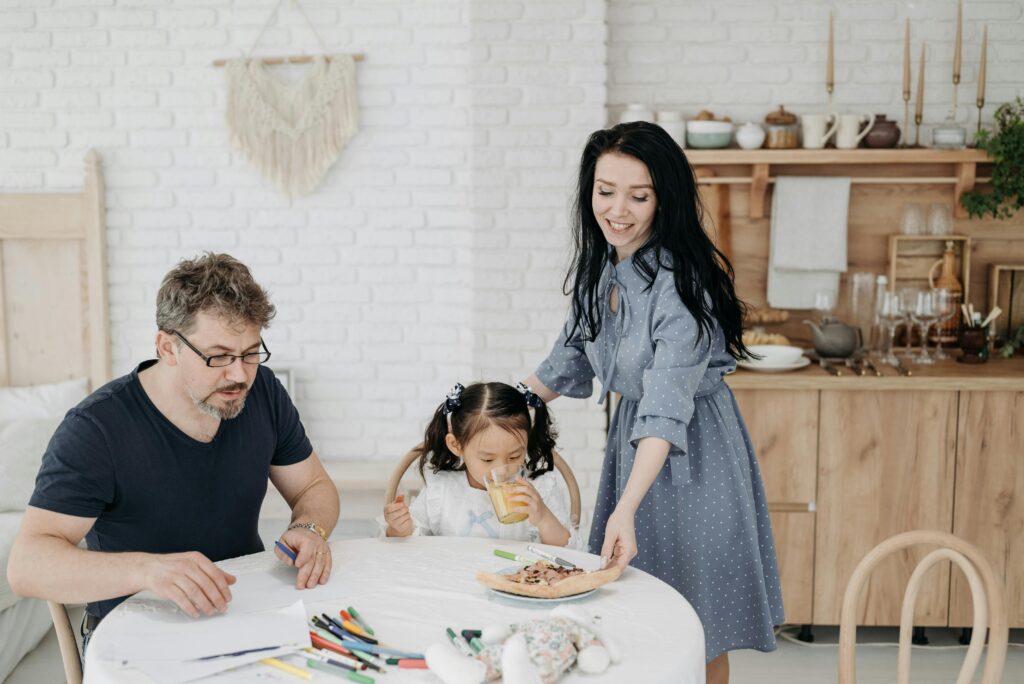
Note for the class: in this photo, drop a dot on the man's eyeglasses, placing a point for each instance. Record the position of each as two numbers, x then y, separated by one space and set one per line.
221 360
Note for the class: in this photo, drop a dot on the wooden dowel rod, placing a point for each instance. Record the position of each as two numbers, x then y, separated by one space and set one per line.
296 59
866 180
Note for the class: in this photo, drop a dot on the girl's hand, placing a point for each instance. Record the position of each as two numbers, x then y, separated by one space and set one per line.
397 516
526 496
619 539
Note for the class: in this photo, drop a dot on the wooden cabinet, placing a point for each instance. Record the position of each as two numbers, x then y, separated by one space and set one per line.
784 429
989 503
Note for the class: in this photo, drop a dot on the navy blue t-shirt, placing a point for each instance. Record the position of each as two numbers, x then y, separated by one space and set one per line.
152 488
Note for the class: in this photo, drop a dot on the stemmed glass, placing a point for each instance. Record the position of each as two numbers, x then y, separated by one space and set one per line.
945 307
890 315
908 302
924 314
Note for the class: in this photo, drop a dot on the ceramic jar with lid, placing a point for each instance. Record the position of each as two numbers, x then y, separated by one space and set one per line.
885 133
673 124
636 112
750 136
783 130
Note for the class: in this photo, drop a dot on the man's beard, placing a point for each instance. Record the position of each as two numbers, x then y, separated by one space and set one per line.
227 412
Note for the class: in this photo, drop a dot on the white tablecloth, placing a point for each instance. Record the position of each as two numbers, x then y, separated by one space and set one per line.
410 589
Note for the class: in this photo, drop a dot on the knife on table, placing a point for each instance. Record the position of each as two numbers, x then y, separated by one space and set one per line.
903 370
871 366
827 365
855 366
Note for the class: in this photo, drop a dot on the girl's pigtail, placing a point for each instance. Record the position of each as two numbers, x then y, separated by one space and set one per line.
541 446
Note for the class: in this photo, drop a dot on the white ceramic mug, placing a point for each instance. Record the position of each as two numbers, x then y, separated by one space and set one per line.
849 134
816 130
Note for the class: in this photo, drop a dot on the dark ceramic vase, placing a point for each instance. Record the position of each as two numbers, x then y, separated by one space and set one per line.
885 133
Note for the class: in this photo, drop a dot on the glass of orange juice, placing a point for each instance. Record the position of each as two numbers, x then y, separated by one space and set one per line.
501 486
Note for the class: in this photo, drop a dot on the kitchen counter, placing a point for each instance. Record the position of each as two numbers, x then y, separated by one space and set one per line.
996 374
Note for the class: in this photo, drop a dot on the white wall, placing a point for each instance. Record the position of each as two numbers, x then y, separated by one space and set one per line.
742 58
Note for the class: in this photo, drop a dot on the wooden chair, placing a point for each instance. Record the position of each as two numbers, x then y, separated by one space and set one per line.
68 644
560 465
987 595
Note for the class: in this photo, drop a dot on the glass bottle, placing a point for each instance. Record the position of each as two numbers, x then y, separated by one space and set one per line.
947 280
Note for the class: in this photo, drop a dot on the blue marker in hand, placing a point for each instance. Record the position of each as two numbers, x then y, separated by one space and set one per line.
286 550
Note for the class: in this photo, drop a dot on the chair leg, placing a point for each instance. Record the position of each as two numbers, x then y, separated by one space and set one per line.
919 638
806 634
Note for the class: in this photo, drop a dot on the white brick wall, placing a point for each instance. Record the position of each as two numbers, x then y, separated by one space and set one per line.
432 252
742 58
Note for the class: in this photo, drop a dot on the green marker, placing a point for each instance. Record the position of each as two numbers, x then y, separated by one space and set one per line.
511 556
331 669
359 618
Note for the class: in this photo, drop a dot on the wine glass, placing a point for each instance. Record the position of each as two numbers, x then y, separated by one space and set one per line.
924 313
945 306
908 302
940 219
912 222
889 316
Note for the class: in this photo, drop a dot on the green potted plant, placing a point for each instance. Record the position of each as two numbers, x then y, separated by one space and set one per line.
1006 147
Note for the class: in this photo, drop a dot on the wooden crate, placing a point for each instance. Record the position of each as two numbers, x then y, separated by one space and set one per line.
1006 290
911 257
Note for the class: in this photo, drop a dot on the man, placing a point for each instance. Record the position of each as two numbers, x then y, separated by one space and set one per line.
164 470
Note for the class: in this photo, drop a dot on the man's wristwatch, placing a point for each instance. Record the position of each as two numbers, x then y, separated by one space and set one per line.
312 527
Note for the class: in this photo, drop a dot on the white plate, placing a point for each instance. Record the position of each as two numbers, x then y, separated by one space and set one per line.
534 599
766 368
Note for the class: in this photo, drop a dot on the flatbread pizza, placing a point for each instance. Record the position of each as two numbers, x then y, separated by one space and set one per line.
547 581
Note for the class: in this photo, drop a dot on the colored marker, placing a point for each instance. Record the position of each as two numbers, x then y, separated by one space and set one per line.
340 672
511 556
359 620
459 643
286 550
412 664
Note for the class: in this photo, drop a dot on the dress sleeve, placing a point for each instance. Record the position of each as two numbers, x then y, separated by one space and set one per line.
555 493
670 383
567 370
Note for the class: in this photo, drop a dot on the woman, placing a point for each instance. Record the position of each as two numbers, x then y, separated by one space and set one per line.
655 318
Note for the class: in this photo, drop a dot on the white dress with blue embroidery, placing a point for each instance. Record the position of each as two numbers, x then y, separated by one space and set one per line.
448 506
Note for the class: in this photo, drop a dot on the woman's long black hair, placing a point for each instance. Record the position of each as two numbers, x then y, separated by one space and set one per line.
678 239
482 405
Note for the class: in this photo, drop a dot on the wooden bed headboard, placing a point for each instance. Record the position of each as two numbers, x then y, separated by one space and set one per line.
54 322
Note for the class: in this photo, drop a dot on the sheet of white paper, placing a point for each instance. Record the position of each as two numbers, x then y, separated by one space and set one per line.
273 589
165 672
175 637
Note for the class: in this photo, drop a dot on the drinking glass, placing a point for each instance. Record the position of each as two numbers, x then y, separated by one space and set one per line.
862 303
945 306
501 486
924 314
940 219
908 302
889 316
824 304
912 222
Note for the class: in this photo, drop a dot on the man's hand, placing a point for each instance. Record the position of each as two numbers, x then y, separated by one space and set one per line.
397 516
189 579
312 557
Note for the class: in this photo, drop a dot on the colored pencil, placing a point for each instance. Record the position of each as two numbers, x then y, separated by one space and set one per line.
285 667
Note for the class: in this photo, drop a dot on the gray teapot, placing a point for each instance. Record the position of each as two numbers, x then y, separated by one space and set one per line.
835 339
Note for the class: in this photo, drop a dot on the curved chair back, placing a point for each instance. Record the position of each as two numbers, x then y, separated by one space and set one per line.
68 644
560 465
987 595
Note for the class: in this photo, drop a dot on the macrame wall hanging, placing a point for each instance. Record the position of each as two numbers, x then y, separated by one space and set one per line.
292 133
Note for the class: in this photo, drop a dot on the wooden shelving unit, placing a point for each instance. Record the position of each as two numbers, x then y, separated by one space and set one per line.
891 166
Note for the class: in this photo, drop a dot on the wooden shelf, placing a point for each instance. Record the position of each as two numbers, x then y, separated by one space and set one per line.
963 165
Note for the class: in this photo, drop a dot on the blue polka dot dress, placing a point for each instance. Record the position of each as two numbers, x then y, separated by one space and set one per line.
703 526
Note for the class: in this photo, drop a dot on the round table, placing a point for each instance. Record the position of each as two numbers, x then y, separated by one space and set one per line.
410 589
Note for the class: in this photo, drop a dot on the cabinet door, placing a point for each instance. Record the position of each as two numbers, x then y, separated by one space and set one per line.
886 462
783 426
989 505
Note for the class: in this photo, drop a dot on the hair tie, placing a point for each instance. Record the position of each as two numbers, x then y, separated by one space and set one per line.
453 399
532 400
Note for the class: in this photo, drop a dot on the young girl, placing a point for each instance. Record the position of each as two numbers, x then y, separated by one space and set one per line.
477 429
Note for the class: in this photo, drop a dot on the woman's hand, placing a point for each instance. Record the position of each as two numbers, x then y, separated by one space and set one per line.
619 539
396 515
526 496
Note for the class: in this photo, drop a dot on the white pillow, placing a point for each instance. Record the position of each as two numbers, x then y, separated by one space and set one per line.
42 401
22 445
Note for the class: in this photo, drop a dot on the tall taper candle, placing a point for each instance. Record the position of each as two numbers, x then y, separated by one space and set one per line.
829 73
981 68
906 62
919 105
959 36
